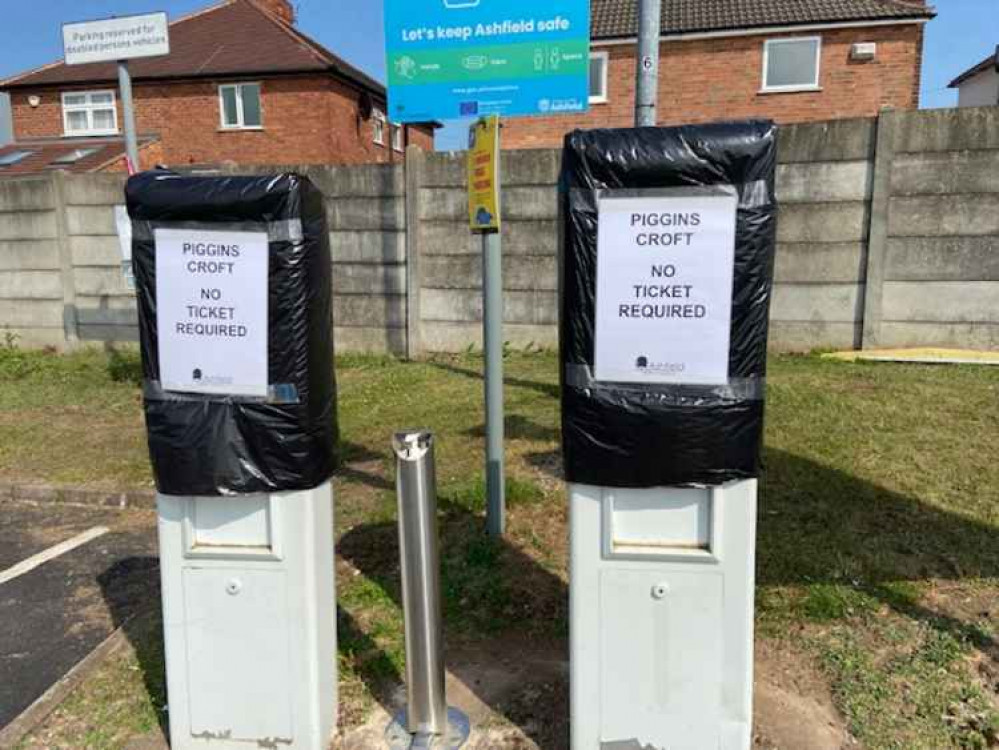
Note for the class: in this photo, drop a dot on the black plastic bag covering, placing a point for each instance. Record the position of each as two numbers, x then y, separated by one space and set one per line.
209 445
651 435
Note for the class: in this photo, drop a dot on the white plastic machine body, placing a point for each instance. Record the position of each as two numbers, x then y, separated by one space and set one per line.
661 600
249 616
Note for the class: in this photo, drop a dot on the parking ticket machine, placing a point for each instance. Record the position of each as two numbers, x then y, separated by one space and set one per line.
233 283
668 238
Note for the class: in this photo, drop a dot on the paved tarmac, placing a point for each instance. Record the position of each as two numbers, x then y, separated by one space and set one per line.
69 576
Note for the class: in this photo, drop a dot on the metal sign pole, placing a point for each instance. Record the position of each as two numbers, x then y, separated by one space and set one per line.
128 109
492 344
647 75
492 290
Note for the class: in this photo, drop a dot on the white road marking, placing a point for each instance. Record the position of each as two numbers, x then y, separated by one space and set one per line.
51 553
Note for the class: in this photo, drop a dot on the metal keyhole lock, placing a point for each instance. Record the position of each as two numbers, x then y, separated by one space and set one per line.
233 586
660 591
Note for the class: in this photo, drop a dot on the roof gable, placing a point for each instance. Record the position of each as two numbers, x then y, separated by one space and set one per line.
233 38
614 19
989 63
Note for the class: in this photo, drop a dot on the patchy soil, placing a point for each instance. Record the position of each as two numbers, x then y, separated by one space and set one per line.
794 708
517 697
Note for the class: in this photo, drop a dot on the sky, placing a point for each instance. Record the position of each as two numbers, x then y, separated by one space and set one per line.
964 33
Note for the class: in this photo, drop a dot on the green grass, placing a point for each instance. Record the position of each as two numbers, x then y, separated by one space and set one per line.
877 548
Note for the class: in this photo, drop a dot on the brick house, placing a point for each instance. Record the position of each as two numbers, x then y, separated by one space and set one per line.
727 59
241 85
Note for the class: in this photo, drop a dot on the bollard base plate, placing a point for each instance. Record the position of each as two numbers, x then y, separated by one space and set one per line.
458 729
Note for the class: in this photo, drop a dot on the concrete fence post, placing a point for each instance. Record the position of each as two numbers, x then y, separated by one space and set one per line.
70 317
415 160
877 238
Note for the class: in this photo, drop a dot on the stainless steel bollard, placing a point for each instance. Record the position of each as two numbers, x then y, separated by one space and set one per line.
416 489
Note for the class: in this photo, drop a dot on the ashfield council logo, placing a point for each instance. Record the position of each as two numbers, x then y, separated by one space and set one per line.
196 374
646 367
545 105
457 4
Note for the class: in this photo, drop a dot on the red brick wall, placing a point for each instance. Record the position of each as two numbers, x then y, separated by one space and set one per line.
720 79
306 120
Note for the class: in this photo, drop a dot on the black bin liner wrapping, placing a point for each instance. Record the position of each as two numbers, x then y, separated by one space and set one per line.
643 435
226 445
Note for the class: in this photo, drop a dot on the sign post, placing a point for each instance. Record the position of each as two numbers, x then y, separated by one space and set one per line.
484 214
128 109
119 40
450 59
647 71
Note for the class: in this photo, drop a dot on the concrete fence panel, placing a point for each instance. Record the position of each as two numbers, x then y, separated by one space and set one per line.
888 235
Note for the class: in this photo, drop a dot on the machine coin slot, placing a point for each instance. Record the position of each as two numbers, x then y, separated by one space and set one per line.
648 524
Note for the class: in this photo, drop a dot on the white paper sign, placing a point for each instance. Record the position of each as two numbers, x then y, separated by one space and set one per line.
664 288
211 306
116 39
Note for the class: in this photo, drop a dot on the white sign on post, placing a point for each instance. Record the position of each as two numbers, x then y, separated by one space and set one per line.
665 267
116 39
212 311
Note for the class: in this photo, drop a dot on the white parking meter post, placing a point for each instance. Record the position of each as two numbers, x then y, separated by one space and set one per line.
249 620
242 430
668 240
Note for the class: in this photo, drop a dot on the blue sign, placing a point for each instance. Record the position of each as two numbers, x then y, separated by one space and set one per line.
467 58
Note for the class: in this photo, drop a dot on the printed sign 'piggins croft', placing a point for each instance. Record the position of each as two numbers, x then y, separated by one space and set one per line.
665 263
468 58
211 292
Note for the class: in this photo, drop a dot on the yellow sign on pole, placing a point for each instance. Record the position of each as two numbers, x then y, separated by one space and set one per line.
484 175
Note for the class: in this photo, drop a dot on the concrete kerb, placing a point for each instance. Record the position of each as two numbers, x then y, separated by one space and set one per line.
42 493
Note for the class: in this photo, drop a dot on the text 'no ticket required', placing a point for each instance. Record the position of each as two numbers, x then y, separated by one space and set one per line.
211 297
665 268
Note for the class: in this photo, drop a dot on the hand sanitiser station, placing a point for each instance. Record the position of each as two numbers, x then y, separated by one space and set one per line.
666 275
233 282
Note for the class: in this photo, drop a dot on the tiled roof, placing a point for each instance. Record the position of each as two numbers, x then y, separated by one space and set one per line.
233 38
989 63
614 19
42 155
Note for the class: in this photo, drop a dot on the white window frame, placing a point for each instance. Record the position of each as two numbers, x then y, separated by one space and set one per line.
768 89
397 132
89 108
605 56
379 123
239 106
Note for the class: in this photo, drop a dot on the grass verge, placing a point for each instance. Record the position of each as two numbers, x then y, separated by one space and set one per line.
877 541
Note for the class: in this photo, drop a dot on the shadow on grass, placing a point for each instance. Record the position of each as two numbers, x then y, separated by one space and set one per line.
517 427
546 389
819 525
354 460
131 589
495 598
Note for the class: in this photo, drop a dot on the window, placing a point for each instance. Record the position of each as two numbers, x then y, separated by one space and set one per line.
13 157
89 113
71 157
791 64
240 106
398 138
378 127
598 77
